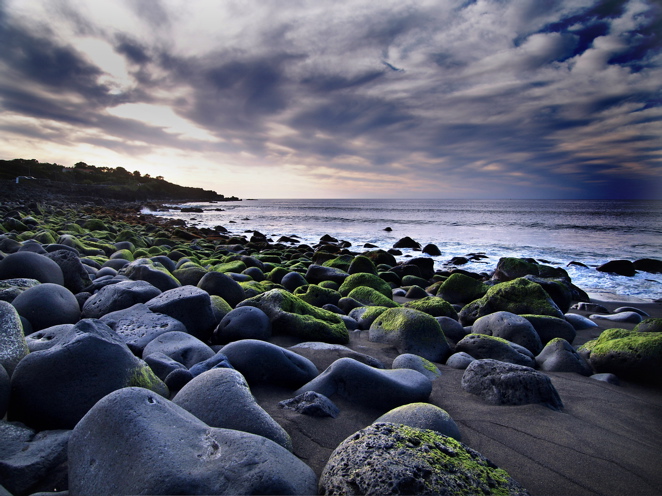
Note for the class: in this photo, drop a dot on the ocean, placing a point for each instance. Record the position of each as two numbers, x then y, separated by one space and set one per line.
560 231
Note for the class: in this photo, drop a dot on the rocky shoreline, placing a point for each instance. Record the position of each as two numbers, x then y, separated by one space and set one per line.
141 355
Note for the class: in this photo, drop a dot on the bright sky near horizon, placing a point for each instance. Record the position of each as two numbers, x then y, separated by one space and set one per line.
342 99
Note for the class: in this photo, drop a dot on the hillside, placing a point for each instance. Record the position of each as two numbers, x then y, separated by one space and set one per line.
83 180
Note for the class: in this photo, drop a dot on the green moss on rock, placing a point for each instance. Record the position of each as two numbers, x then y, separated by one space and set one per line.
371 297
460 288
433 305
368 280
317 295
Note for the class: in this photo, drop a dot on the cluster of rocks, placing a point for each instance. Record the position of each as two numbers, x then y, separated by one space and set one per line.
128 352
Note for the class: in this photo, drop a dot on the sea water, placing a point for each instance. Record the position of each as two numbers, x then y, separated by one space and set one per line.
556 232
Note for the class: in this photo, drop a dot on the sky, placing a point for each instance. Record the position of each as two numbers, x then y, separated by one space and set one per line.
345 99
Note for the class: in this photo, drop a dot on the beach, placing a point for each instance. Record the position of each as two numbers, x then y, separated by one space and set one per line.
604 440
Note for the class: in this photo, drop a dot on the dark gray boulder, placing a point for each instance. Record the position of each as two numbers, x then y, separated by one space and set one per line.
423 416
265 363
119 296
407 242
154 273
369 386
76 277
219 284
549 328
417 363
312 404
293 280
47 305
482 346
459 360
579 322
162 365
135 442
53 388
452 329
316 274
13 346
29 265
559 356
46 338
324 354
242 323
32 461
11 288
630 317
619 267
648 265
138 325
180 346
4 391
502 383
425 462
510 327
191 306
222 398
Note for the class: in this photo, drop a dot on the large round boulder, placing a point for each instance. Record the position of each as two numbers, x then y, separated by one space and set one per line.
29 265
118 296
243 323
219 284
423 416
559 356
47 305
482 346
510 327
180 346
191 306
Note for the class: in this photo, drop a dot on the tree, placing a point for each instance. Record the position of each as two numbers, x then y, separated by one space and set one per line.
136 173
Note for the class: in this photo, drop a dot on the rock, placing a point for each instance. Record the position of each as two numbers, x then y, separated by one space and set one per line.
501 383
31 461
423 416
265 363
317 296
416 293
361 264
631 317
410 331
218 361
631 309
13 346
222 398
29 265
589 307
560 290
432 250
162 365
417 363
219 284
510 327
482 346
559 356
579 322
368 280
11 288
387 458
459 360
367 296
648 265
53 388
460 288
407 242
46 338
649 325
619 267
369 386
4 391
518 296
242 323
293 280
509 268
630 355
154 273
292 316
191 306
365 316
189 274
112 451
76 278
138 325
180 346
452 329
608 378
324 354
47 305
119 296
319 273
433 305
312 404
549 328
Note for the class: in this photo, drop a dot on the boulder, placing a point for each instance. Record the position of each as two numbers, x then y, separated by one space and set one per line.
189 273
417 363
425 266
324 354
560 290
509 268
312 404
32 461
618 267
386 458
265 363
29 265
119 296
649 325
222 398
219 284
630 355
432 250
423 416
75 277
138 325
362 264
367 296
365 279
191 306
47 305
518 296
483 346
365 316
407 242
11 288
410 331
292 316
135 442
631 317
369 386
501 383
218 361
317 296
579 322
559 356
152 272
510 327
460 288
47 337
452 329
460 360
319 273
180 346
293 280
5 386
13 346
549 328
242 323
648 265
53 388
433 305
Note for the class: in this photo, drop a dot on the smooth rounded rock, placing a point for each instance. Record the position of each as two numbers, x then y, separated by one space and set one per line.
559 356
368 386
265 363
423 416
293 280
135 442
316 274
651 324
510 327
222 398
452 329
119 296
154 273
579 322
191 306
417 363
482 346
324 354
13 346
219 284
29 265
459 360
630 317
46 338
47 305
180 346
243 323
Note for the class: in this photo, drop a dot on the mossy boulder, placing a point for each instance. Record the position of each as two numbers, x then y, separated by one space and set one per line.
518 296
362 264
122 254
95 225
630 355
73 242
389 458
189 273
460 288
131 236
549 328
433 305
509 268
342 262
411 331
371 297
364 279
291 315
154 273
365 316
236 266
317 296
649 325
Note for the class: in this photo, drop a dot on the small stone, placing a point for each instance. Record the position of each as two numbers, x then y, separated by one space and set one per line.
459 360
312 404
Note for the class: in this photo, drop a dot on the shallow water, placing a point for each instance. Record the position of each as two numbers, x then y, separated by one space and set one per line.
588 231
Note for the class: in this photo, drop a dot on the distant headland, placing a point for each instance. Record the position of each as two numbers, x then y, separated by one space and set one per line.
29 177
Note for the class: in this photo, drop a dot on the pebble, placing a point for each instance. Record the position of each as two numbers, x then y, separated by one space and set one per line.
630 317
